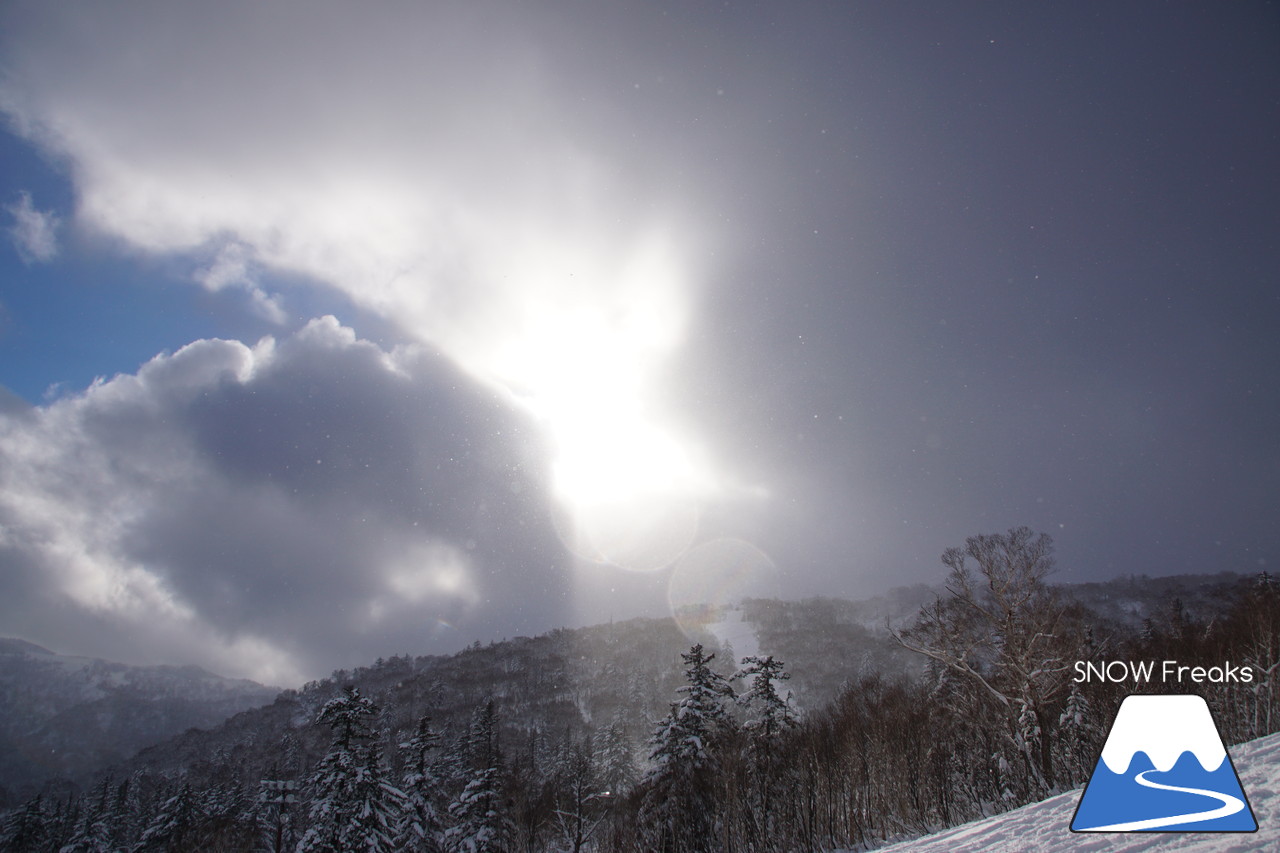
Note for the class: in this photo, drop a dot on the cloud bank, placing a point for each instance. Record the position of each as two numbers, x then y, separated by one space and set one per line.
276 510
842 283
468 170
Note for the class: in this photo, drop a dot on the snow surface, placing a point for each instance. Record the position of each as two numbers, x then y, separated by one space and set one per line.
735 629
1043 826
1163 727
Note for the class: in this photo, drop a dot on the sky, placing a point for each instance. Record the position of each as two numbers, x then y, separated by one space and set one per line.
331 331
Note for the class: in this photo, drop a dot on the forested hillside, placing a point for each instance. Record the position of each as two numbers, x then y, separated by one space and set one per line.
830 733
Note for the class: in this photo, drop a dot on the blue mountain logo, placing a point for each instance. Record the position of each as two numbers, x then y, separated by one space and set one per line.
1164 769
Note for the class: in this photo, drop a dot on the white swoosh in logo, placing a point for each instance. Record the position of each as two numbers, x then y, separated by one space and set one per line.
1230 805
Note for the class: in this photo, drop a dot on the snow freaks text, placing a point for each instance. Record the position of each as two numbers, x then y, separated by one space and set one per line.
1167 672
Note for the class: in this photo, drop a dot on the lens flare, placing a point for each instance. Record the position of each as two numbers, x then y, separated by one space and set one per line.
713 576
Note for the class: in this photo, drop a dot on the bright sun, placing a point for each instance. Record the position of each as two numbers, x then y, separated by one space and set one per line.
585 361
630 491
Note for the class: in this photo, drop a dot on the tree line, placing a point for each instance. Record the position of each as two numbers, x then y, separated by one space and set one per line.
996 721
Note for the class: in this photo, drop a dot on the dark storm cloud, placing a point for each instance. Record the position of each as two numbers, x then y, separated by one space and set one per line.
1008 265
318 499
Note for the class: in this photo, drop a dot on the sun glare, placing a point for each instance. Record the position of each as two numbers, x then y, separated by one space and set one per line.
583 351
630 492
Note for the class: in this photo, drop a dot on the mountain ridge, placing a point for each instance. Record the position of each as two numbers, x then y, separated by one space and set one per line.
70 717
826 643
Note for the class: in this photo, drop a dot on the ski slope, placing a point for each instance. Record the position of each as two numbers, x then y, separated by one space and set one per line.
1043 826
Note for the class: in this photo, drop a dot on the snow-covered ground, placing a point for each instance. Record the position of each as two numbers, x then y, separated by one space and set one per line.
734 629
1043 826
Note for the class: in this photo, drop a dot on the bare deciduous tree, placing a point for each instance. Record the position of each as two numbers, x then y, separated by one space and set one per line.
1005 630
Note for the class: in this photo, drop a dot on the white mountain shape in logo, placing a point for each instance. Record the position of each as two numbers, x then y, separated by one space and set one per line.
1164 727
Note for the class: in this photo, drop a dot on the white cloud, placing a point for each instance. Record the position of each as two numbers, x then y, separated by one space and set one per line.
34 232
468 170
274 511
231 269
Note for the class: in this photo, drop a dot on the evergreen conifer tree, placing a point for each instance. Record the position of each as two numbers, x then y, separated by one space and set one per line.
1078 732
92 831
617 769
688 735
353 807
771 714
770 718
678 806
176 825
25 829
378 806
230 821
421 828
125 813
478 822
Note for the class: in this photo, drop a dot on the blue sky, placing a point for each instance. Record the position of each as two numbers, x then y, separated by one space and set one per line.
98 308
91 310
471 320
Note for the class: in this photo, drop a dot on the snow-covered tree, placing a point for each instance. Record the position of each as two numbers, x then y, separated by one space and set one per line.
478 822
26 828
421 828
353 806
770 713
479 826
89 836
480 745
617 767
770 717
177 824
331 801
92 832
1077 732
688 735
581 804
126 812
1008 634
379 806
678 806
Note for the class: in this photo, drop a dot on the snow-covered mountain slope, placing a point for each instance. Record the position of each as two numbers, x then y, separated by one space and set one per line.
1043 826
63 716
